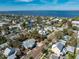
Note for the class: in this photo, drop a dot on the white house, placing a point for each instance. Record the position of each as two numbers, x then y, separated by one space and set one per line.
66 37
62 41
11 57
3 45
50 28
42 32
30 43
76 23
57 48
10 53
77 57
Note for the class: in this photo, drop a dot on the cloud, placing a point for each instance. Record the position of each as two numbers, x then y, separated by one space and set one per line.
24 0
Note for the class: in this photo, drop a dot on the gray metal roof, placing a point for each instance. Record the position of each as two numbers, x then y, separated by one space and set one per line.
60 46
12 51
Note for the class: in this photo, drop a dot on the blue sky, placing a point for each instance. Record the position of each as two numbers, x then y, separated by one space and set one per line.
6 5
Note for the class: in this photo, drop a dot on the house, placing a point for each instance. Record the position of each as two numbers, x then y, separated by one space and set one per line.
70 49
9 51
2 23
77 57
75 22
64 51
56 19
57 48
42 32
36 53
11 57
30 43
48 28
62 41
53 56
66 37
15 26
4 45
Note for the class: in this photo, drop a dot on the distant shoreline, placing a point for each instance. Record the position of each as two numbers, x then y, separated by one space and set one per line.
54 13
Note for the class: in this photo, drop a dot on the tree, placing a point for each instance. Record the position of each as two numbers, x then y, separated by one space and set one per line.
15 44
24 25
31 57
72 42
68 32
75 28
69 23
2 39
55 36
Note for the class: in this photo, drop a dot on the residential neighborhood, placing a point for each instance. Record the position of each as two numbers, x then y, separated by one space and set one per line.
38 37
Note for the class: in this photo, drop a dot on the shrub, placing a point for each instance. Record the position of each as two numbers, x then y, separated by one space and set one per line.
2 39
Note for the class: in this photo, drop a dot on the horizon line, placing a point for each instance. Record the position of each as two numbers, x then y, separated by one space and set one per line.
37 10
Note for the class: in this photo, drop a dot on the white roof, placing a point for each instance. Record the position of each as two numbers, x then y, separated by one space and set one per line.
1 23
48 28
56 19
66 37
77 57
70 48
42 32
3 45
54 45
64 51
7 51
75 22
17 25
60 29
12 56
63 42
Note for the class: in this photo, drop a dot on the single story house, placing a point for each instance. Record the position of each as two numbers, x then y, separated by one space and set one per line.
70 49
57 48
75 22
42 32
77 57
30 43
10 53
53 56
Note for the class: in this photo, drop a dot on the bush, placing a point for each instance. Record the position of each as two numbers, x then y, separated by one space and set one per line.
75 28
2 56
2 39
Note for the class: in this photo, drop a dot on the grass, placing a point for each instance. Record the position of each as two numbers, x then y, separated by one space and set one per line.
71 55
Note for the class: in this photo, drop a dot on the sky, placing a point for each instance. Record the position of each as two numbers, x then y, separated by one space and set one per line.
10 5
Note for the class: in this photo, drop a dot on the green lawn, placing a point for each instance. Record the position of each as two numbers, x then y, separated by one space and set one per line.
71 56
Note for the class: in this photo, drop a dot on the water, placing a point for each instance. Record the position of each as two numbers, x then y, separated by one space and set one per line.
44 13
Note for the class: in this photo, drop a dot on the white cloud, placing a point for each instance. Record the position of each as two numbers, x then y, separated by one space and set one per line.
25 0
